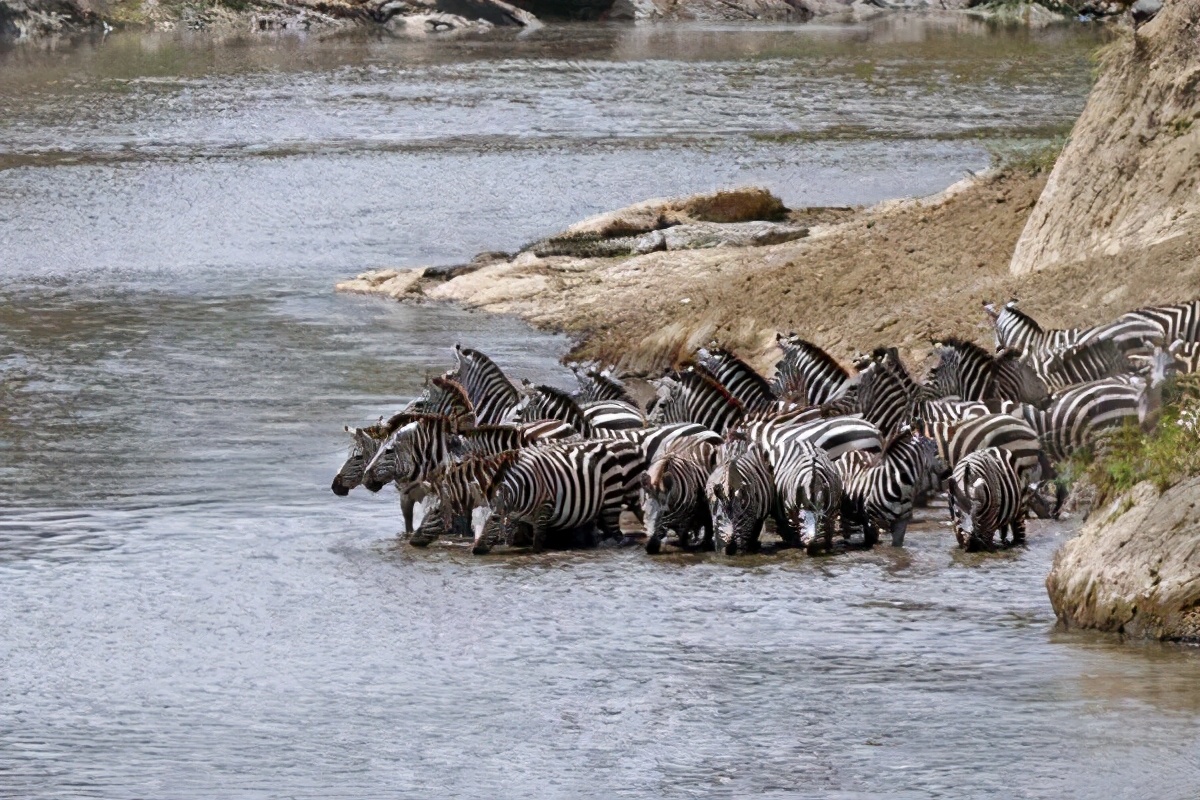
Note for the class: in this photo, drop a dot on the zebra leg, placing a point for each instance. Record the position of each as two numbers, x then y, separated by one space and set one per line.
1018 530
654 543
870 534
898 529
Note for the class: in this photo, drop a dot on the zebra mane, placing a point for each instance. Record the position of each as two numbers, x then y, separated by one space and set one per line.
570 408
1011 309
599 384
964 345
478 363
731 371
398 421
802 349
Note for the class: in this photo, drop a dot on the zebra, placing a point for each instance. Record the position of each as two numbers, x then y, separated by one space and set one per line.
491 439
1077 418
836 436
880 497
673 496
560 488
967 371
597 385
1083 362
456 492
444 397
491 392
695 396
988 493
364 443
741 380
1020 333
1176 322
808 494
741 494
808 374
956 440
547 402
416 449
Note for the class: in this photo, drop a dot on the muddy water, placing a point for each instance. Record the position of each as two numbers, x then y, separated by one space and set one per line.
186 611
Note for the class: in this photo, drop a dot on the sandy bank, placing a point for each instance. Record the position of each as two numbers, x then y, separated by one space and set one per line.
899 273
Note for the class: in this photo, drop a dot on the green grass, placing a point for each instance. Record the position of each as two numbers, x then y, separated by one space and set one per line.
1166 456
1031 158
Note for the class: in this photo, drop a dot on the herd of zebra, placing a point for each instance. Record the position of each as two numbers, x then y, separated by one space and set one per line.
817 449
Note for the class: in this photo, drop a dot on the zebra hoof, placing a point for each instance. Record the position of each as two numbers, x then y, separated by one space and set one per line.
654 545
480 550
420 541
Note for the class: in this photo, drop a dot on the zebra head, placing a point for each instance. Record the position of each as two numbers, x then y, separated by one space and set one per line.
738 496
395 460
362 449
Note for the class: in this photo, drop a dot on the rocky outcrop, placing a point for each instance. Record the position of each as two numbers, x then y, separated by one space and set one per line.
1134 568
1129 179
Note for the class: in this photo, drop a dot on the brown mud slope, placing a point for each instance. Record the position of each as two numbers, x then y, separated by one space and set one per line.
900 274
1130 177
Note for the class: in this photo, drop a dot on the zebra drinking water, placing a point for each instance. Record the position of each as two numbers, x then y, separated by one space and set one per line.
673 497
988 494
809 497
741 493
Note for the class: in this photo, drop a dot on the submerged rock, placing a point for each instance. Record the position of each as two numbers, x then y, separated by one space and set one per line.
1136 572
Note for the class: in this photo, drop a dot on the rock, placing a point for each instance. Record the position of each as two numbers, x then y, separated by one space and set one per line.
634 10
1127 179
701 235
731 205
387 282
1145 10
1136 572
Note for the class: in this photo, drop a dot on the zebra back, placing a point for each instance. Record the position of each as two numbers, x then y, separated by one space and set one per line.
612 415
1019 332
987 492
836 436
1177 322
1083 362
807 372
694 396
490 391
964 370
546 402
741 380
1076 418
486 440
595 385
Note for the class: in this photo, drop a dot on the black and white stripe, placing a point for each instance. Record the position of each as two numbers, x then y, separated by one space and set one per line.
808 495
491 393
967 371
741 380
673 497
562 488
741 494
880 497
988 493
1077 418
1176 322
488 440
807 374
596 384
694 396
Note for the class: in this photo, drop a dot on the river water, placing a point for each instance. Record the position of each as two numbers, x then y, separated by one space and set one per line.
187 611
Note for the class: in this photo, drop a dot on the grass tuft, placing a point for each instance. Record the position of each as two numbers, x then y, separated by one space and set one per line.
1032 159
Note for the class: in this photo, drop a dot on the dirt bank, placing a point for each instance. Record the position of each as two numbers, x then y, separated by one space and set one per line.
899 273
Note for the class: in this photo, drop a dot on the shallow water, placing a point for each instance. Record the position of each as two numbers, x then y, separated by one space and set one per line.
188 611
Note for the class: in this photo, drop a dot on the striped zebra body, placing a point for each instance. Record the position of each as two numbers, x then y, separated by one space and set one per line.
1176 322
694 396
1083 362
673 497
880 497
547 402
456 492
1130 334
447 398
741 494
741 380
955 441
1185 357
1077 418
988 493
562 488
807 374
612 415
808 492
651 440
967 371
1021 334
491 393
837 436
488 440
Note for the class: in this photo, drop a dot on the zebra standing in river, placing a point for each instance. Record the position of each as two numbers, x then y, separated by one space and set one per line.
741 494
880 497
808 495
988 494
566 488
673 496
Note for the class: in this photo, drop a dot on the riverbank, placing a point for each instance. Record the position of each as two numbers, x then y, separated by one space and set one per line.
898 274
25 20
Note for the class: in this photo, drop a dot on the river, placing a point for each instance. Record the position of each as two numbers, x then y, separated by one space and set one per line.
187 611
